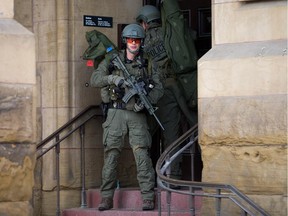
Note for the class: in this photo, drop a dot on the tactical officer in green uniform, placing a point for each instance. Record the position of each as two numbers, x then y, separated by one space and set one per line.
127 119
173 105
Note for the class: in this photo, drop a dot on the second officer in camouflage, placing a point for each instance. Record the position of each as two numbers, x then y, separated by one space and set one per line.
173 105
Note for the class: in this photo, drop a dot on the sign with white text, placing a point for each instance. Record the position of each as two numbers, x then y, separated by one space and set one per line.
98 21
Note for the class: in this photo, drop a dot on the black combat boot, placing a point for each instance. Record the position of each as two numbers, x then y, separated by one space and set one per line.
148 205
106 204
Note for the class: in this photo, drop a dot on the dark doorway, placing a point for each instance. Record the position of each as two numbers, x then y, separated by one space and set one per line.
200 22
198 17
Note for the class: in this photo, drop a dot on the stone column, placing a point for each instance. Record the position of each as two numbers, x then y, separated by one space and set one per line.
243 102
17 114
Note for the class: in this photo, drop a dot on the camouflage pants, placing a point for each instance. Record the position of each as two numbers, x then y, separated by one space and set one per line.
116 127
170 113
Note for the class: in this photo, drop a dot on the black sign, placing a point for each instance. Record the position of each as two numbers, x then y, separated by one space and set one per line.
97 21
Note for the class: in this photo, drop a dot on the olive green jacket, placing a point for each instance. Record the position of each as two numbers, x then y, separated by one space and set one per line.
99 78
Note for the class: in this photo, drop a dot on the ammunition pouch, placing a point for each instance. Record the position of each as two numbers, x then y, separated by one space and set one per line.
116 93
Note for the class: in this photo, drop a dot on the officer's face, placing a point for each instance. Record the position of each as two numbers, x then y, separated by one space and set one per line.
133 44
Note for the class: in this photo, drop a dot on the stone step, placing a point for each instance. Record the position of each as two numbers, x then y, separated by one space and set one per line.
131 198
120 212
128 202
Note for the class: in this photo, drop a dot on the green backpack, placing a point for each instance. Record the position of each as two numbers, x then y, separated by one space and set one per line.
180 48
178 38
98 44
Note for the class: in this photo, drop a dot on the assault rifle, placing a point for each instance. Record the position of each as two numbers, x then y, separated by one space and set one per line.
136 87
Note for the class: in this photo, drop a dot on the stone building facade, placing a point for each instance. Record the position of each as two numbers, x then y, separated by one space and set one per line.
17 114
242 100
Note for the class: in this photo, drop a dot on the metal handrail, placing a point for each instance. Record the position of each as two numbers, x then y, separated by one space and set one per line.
164 181
69 123
76 123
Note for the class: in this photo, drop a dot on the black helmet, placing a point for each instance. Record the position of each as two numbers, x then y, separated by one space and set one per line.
133 31
148 13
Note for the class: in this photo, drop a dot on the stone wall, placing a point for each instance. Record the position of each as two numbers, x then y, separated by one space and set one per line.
243 103
17 114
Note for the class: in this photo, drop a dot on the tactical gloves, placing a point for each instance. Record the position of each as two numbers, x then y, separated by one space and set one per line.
138 107
117 80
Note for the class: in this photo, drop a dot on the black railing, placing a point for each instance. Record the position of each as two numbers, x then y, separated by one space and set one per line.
185 142
200 189
76 123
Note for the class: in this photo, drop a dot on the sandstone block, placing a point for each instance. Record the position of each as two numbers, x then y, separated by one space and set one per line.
240 23
243 120
257 169
275 205
16 112
17 53
243 69
16 208
17 164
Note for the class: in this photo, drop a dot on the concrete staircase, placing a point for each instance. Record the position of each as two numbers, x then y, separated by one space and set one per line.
128 202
